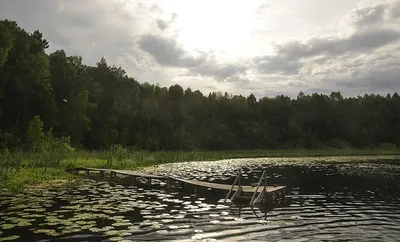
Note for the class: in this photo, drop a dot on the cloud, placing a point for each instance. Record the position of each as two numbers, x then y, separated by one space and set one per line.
76 25
378 71
367 16
289 55
277 64
165 24
221 71
363 60
394 10
167 52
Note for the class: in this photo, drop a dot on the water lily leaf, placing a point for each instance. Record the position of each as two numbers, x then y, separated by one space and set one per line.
7 226
116 239
111 232
119 224
9 238
24 223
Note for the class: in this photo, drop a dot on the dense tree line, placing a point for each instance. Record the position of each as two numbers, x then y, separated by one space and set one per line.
98 106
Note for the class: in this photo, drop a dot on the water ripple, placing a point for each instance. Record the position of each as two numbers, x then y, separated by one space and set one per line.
330 199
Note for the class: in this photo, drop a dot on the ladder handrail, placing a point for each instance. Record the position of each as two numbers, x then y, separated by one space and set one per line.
258 185
233 185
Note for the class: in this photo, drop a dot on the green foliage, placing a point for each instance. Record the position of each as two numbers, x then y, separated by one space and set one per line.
100 106
17 180
35 137
118 152
10 160
55 151
5 42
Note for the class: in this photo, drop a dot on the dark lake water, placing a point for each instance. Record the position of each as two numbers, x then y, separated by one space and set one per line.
329 199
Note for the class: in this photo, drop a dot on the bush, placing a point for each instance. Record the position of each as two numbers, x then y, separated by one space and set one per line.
8 159
55 150
35 135
117 152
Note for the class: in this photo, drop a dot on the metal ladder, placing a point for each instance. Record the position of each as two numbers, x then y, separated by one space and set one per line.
254 200
238 191
263 193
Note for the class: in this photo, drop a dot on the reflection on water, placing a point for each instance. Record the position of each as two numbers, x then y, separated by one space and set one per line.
329 199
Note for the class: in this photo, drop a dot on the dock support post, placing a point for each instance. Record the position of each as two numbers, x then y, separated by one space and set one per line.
112 174
87 172
169 183
102 173
148 181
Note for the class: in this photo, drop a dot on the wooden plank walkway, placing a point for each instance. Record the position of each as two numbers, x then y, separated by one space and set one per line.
261 192
227 187
124 172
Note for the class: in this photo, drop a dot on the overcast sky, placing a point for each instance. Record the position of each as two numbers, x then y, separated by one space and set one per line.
265 47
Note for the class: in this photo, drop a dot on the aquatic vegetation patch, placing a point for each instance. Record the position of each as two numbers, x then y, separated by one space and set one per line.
49 232
9 238
116 239
7 226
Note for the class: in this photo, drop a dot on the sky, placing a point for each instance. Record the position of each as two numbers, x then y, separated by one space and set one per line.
264 47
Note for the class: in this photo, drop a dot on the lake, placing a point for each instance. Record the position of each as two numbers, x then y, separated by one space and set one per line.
328 199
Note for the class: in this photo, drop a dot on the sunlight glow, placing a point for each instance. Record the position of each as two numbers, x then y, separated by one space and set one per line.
225 26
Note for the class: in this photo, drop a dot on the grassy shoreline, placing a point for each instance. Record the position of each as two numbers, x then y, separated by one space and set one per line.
31 171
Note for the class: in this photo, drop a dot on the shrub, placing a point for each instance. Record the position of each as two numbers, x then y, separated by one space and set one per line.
35 135
10 160
55 150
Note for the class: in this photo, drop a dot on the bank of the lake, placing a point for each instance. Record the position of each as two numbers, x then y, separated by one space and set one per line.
20 169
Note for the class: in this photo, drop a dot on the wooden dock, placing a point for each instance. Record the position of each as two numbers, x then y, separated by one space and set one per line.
226 187
259 193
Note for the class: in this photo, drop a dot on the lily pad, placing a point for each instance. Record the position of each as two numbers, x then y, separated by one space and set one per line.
111 232
24 223
133 228
7 226
116 239
9 238
121 224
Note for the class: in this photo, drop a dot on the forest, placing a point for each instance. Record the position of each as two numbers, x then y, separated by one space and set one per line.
53 95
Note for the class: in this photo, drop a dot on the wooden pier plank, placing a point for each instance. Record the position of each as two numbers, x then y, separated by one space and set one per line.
217 186
126 172
227 187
